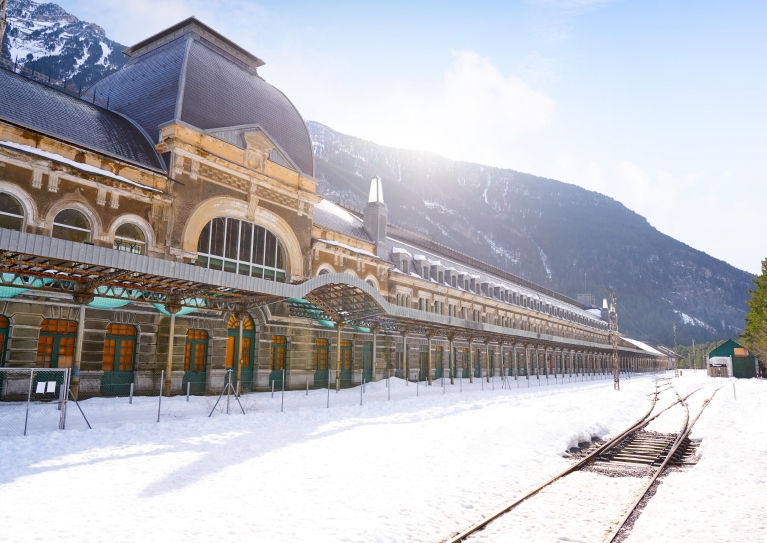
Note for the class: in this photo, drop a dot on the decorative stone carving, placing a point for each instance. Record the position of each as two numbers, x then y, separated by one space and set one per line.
258 149
101 196
53 182
113 199
37 178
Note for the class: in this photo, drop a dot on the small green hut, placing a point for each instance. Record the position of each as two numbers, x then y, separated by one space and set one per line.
735 358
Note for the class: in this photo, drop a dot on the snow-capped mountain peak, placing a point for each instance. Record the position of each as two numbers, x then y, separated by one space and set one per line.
46 38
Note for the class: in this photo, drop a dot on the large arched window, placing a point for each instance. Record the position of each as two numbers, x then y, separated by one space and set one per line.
11 212
241 247
130 238
71 225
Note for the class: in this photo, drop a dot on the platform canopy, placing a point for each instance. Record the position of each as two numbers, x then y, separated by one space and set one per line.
30 262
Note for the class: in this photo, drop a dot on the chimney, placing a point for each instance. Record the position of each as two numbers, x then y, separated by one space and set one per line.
376 215
605 310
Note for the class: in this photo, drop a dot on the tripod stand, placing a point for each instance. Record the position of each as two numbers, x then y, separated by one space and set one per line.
229 389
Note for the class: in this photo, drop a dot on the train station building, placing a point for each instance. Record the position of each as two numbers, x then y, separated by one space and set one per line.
165 222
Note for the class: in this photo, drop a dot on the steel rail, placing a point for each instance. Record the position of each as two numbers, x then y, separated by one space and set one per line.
679 440
602 449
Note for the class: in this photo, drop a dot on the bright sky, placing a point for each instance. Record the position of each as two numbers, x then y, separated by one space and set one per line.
657 103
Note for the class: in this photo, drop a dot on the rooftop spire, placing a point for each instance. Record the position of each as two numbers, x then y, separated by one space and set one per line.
375 216
376 191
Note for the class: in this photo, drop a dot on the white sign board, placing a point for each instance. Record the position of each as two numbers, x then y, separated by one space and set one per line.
722 361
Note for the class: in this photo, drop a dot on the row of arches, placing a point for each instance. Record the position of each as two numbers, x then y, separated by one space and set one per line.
74 223
225 243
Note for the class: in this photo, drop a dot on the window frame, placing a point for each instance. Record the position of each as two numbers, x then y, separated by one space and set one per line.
23 215
54 224
132 242
253 266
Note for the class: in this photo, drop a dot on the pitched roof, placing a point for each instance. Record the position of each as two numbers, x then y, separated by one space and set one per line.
329 215
38 107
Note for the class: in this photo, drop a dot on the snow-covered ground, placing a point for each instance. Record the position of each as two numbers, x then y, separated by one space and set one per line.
724 497
410 469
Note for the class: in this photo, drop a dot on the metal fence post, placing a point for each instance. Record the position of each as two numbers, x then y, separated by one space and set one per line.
65 388
362 385
62 393
130 395
188 389
282 401
29 397
228 388
159 396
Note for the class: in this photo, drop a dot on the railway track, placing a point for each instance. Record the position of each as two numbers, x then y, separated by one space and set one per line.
645 452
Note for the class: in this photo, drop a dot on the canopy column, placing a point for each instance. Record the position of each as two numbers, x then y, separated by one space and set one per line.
82 299
171 308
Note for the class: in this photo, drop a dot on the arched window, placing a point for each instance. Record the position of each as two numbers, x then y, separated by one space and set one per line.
241 247
130 238
11 213
71 225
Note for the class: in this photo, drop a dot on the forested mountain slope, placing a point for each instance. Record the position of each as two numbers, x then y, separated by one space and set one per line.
559 235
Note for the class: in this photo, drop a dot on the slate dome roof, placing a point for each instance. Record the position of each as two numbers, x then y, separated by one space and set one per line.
190 73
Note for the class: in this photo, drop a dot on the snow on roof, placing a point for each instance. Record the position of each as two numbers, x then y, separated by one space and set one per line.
642 345
419 257
349 248
400 250
338 211
77 165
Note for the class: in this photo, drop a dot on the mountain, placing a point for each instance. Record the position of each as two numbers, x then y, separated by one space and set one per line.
559 235
556 234
47 39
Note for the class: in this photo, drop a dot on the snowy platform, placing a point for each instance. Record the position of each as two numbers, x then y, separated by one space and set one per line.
409 469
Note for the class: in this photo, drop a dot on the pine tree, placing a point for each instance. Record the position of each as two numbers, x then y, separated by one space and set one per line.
755 333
